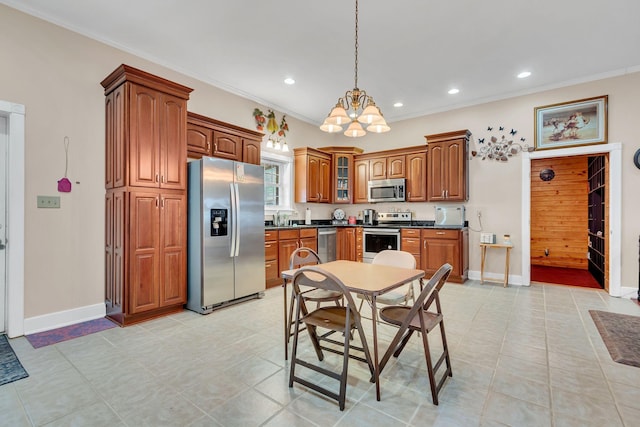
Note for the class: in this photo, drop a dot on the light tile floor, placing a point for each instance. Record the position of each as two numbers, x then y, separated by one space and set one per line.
521 356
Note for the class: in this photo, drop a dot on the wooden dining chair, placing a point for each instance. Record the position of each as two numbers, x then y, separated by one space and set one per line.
343 319
299 258
422 318
401 295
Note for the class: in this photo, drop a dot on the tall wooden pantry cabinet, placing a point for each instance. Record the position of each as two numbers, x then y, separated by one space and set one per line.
146 201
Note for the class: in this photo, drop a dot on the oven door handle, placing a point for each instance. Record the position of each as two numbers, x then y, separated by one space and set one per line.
381 230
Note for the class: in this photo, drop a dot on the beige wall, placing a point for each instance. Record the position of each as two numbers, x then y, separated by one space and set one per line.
56 74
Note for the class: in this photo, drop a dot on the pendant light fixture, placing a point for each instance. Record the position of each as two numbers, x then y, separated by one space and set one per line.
355 109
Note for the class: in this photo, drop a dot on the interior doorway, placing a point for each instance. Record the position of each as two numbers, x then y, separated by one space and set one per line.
569 226
4 144
614 208
14 128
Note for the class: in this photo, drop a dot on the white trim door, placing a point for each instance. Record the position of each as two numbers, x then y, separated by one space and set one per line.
4 145
13 306
615 207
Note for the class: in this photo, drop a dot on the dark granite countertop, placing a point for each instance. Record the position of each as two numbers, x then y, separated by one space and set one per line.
268 225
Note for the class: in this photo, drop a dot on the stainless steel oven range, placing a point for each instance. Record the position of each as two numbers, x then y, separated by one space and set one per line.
386 235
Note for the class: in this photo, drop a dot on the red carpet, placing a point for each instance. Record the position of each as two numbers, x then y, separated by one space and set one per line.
563 276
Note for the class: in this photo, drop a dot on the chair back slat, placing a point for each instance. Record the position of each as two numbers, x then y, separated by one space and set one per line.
316 277
427 295
303 256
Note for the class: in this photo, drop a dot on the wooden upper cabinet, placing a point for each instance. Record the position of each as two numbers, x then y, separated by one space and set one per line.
251 151
324 187
199 139
416 164
213 138
448 161
378 168
173 153
361 181
227 146
115 167
396 167
145 130
342 176
312 175
387 167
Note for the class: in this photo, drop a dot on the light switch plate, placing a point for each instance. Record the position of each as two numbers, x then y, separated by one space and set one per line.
48 201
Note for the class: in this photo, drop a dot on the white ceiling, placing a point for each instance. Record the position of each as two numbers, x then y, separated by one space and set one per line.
411 51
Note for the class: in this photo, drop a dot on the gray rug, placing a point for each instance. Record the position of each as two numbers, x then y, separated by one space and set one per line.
10 367
621 335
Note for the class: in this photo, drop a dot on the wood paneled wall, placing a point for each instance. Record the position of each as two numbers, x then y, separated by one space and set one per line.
559 213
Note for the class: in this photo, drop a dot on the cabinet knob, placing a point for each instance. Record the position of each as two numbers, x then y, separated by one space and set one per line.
208 146
215 147
157 178
424 243
440 232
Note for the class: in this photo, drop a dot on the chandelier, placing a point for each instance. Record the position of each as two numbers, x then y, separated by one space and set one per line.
355 108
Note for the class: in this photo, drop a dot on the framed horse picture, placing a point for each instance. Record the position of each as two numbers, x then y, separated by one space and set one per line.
570 124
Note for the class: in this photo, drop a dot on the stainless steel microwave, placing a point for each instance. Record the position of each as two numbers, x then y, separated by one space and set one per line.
386 190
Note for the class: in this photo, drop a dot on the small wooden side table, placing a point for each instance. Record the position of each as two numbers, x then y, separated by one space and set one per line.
483 254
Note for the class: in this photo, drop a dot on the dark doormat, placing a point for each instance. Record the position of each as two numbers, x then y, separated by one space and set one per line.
10 367
621 335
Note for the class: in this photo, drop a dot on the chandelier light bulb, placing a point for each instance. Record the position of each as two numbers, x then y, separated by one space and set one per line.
355 130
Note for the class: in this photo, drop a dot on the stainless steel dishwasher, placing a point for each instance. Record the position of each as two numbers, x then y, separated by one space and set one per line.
327 244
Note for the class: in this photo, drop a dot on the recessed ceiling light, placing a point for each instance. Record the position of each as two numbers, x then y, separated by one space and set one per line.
453 91
524 74
398 104
289 81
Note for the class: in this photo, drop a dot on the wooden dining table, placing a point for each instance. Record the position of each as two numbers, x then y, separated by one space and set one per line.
370 280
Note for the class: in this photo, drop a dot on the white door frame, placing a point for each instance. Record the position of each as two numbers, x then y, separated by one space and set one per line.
615 207
15 218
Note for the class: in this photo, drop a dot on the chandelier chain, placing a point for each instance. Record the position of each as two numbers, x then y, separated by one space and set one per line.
356 50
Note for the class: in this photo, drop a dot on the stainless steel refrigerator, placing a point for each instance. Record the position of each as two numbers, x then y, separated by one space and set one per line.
225 233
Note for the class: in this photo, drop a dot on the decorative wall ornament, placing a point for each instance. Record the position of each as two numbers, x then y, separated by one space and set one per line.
500 149
278 132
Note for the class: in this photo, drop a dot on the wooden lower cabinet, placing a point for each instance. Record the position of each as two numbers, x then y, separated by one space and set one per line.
349 243
272 274
146 259
440 246
359 245
410 242
292 239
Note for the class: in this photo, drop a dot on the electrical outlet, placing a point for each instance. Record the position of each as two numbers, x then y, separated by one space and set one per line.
48 202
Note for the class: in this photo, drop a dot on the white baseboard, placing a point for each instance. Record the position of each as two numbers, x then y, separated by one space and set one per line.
59 319
495 277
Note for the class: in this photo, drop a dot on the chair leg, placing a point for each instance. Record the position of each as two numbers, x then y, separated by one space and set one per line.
345 366
290 318
446 349
432 379
294 350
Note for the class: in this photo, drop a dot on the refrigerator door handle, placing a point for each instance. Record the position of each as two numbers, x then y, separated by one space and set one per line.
236 217
234 222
